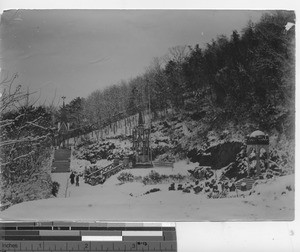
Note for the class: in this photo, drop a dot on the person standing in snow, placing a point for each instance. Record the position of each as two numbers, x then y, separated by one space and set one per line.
72 177
77 180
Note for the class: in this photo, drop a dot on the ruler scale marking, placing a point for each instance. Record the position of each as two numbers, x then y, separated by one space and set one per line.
80 237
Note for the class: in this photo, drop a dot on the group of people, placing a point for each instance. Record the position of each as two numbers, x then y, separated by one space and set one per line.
74 177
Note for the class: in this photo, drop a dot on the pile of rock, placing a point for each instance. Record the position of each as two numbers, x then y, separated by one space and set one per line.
210 188
202 172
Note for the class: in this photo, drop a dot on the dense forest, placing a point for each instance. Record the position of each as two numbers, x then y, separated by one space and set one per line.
249 76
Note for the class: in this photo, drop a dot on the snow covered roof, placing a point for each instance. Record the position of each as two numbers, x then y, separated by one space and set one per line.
257 133
257 137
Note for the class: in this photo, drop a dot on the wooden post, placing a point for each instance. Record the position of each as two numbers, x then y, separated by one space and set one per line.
267 151
248 160
258 160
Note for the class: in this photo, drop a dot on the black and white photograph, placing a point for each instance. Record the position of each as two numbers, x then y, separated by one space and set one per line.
147 115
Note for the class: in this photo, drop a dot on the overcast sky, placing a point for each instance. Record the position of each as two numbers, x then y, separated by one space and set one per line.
78 51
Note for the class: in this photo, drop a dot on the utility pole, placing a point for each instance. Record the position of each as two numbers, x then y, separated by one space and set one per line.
27 98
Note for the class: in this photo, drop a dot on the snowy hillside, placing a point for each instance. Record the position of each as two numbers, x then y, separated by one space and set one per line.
187 192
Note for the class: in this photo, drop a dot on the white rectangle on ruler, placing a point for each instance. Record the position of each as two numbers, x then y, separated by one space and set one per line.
168 224
151 224
142 233
101 238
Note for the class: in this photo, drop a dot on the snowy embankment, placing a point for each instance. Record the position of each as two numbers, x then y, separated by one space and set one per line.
269 200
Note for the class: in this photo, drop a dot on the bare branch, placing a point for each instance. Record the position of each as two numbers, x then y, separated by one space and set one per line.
26 139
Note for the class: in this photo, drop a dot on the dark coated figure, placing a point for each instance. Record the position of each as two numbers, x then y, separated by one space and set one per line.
77 180
72 177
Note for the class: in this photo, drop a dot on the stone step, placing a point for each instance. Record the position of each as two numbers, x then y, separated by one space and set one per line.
60 166
62 154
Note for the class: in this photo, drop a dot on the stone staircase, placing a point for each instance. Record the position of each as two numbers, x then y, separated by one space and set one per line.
61 162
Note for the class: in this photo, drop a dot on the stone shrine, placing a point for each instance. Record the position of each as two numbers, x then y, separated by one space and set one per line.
141 140
257 141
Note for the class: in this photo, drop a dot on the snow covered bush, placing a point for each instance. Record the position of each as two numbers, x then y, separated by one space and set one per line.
186 190
84 140
197 189
177 177
202 172
103 150
172 187
39 186
153 178
120 153
125 177
55 188
158 150
95 151
160 142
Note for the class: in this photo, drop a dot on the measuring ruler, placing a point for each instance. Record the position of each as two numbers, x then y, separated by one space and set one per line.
83 236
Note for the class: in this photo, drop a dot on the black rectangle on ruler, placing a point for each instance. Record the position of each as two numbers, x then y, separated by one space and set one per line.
20 232
80 228
60 228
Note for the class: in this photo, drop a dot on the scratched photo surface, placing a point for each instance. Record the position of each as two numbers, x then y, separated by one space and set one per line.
147 115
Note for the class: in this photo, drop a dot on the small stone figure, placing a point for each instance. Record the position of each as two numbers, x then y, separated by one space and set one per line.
186 190
172 187
207 190
179 187
232 187
198 189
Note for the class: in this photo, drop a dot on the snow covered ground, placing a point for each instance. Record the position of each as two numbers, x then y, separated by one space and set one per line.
270 200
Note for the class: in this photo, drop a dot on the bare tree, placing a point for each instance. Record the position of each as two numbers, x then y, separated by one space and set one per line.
177 54
24 129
